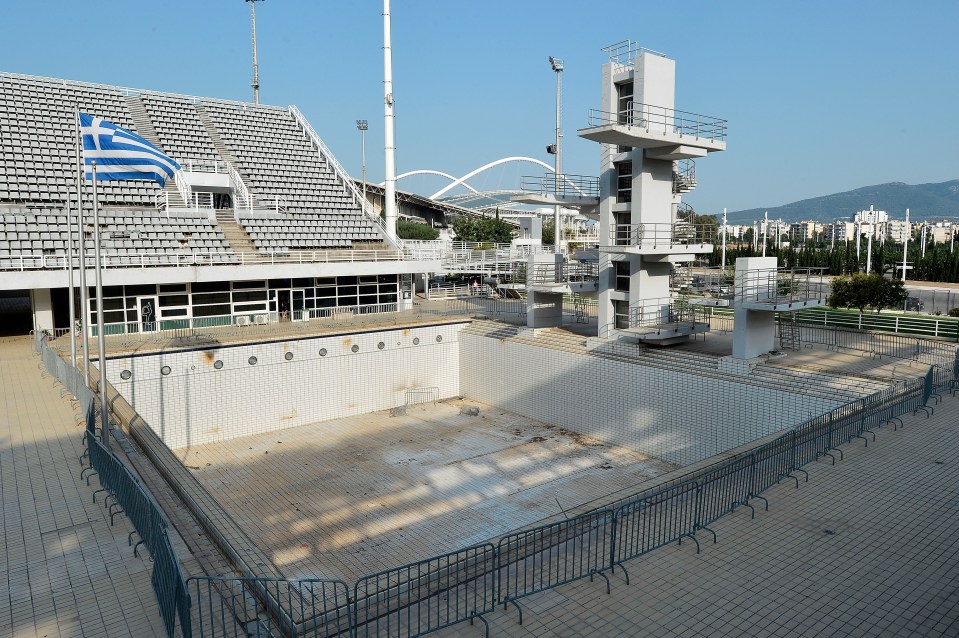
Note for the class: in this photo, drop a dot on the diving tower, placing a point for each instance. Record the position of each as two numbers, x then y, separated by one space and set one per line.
647 148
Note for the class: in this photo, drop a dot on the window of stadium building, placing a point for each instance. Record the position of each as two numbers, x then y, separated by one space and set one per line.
169 306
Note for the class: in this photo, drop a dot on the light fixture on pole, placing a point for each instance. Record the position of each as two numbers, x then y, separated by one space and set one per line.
256 70
557 66
363 126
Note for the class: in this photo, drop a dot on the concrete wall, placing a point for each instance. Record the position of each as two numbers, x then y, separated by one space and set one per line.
674 416
197 403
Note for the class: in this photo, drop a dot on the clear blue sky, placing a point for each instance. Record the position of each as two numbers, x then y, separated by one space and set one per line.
820 96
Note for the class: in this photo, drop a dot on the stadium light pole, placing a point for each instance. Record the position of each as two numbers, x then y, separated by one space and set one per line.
363 126
723 266
256 69
389 147
557 66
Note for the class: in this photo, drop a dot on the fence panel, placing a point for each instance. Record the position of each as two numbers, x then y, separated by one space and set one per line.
225 607
653 521
773 462
550 555
812 439
847 422
722 489
423 597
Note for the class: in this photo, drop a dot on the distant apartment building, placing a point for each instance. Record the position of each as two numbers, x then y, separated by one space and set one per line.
803 231
897 230
839 231
871 216
940 233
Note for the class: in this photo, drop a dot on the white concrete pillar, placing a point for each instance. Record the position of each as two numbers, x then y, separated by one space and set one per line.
42 309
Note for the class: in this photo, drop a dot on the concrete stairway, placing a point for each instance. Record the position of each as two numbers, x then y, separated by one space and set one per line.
141 120
225 152
144 126
236 236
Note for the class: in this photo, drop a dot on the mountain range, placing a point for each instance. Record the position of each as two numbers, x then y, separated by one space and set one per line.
924 201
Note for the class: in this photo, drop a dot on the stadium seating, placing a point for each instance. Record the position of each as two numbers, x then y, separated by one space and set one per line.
39 138
180 132
276 158
126 234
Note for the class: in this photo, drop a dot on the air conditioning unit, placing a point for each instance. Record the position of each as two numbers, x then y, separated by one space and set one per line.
261 320
243 321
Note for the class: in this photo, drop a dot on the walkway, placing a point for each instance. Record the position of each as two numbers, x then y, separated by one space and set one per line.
868 547
64 571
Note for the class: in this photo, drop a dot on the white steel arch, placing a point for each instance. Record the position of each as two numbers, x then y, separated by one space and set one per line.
426 171
461 180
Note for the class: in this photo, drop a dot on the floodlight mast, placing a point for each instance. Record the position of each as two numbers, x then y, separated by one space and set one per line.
363 126
389 191
557 66
256 71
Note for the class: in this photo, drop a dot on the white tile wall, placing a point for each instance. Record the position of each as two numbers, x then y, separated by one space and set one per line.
674 416
197 403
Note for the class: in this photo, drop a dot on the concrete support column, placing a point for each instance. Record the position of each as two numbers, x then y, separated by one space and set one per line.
42 308
754 333
544 309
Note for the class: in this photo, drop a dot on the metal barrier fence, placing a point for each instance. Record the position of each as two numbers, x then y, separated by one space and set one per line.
428 595
544 557
228 607
129 497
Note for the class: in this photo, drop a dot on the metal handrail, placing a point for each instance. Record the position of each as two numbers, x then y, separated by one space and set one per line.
662 120
779 286
241 192
576 271
127 91
327 155
624 51
661 234
173 259
563 184
660 311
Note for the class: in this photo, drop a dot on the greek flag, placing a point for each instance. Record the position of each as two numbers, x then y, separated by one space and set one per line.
121 154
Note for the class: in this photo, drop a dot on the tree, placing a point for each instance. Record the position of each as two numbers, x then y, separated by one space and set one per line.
482 229
867 291
413 230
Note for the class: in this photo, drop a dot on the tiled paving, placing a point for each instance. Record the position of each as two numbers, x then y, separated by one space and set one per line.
64 571
350 497
868 547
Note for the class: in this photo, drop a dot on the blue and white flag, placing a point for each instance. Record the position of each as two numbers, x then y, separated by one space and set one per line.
121 154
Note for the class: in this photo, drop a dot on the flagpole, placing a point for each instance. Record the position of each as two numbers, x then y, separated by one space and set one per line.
70 297
84 290
101 341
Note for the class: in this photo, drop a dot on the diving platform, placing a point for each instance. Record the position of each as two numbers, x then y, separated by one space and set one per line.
664 133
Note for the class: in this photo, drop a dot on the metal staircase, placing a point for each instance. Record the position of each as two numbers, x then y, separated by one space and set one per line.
684 176
789 336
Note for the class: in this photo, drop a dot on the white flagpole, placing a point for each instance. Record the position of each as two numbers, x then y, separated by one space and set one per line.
905 246
70 296
84 291
723 267
101 341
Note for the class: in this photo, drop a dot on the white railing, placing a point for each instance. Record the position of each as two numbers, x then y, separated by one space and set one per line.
327 155
241 195
218 167
278 204
201 258
183 188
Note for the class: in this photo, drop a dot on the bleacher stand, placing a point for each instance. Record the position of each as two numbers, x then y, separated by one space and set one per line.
299 200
